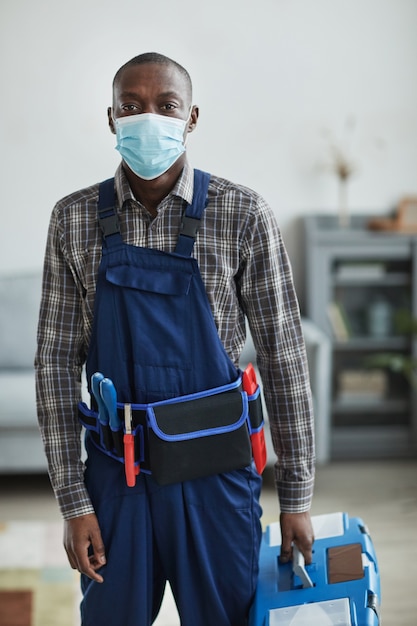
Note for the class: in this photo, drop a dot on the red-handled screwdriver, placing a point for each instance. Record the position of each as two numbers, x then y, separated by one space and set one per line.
249 382
257 437
131 470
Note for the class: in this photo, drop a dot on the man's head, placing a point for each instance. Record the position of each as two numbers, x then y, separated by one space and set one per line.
152 83
152 114
159 59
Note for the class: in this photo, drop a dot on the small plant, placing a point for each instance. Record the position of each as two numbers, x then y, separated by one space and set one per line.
341 164
399 362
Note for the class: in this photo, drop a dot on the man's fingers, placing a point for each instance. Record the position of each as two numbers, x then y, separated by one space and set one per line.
306 551
285 555
286 543
84 546
72 560
88 565
98 557
296 528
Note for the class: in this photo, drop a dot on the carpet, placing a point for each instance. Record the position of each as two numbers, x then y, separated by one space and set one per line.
37 586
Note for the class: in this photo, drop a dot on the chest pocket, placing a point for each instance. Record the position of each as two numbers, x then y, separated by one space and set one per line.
172 283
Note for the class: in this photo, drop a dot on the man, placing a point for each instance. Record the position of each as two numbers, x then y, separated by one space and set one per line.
155 299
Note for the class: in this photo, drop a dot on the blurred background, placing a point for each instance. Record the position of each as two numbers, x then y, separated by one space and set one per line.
278 83
313 105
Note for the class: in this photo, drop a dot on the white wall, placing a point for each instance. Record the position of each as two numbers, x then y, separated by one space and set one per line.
269 76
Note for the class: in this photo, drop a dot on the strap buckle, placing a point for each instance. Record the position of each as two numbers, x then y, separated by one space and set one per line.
190 226
109 224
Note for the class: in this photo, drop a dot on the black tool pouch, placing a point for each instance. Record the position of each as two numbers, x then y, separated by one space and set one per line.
199 437
256 414
108 440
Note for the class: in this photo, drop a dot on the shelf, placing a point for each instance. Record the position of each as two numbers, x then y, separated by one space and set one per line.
384 405
372 443
399 279
350 274
365 343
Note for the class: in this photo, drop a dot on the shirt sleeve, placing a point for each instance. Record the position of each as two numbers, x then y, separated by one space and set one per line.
58 363
272 309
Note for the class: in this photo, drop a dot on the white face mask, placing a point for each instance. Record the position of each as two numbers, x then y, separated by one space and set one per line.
150 144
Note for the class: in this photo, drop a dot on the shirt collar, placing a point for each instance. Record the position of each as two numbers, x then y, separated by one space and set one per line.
183 188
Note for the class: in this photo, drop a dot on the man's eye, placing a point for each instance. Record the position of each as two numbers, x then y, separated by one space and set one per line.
129 107
169 106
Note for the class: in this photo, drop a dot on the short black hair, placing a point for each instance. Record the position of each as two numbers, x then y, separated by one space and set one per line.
154 57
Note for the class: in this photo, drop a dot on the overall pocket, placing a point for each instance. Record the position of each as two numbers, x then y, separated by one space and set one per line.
199 437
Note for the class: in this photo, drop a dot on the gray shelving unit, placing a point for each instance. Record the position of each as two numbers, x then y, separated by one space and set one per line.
353 271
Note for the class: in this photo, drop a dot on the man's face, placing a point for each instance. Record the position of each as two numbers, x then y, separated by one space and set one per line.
152 88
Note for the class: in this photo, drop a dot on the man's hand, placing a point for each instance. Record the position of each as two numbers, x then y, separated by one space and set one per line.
296 528
81 533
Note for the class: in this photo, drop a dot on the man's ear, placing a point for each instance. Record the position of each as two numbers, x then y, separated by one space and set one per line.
111 120
193 119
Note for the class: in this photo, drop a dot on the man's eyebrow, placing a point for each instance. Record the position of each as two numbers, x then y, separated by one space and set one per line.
128 94
164 94
169 94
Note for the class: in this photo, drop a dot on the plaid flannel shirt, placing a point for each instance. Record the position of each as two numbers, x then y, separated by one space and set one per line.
245 269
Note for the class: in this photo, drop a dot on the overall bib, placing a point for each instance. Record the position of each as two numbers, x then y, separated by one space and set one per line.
155 337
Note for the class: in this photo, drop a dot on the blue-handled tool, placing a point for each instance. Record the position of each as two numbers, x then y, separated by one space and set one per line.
95 388
109 397
103 414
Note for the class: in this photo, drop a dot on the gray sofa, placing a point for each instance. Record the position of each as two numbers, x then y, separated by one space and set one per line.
21 449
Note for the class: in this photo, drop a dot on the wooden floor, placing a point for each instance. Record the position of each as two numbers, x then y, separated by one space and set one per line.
383 494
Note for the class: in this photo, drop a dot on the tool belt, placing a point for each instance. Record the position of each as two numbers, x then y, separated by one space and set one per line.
184 438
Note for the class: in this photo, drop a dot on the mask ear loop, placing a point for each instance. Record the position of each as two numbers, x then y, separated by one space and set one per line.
187 121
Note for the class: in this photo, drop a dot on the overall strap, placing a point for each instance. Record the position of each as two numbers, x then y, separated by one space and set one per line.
190 223
107 217
192 215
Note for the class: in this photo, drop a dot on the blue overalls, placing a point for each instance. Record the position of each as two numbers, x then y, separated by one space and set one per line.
154 335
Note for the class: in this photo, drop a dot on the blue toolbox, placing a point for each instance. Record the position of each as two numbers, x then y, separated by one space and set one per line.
341 586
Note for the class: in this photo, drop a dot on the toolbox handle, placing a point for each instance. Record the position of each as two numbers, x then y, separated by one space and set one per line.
299 568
